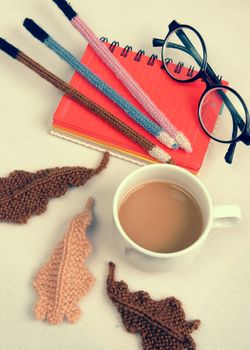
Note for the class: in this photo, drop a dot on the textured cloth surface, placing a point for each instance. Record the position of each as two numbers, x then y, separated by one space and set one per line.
64 279
161 324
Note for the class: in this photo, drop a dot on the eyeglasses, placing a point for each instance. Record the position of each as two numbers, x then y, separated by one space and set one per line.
182 44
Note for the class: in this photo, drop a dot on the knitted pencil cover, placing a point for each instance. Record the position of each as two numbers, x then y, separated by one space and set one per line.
93 79
64 279
82 100
161 324
123 75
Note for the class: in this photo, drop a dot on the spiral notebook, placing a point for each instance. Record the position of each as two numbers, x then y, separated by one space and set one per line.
177 100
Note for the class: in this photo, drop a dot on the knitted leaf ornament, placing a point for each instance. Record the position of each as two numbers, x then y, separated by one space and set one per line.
161 324
23 194
64 279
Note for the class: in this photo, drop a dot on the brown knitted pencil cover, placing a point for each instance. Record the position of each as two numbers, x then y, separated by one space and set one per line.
62 282
23 194
161 324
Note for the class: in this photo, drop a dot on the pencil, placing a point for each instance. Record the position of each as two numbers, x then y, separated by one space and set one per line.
111 61
140 118
153 150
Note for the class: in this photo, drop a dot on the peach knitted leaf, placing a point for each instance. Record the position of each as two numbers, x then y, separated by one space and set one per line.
161 324
64 279
23 194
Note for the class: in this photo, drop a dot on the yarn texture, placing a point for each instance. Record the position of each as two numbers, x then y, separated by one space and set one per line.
161 324
122 74
82 100
23 194
62 281
92 78
87 103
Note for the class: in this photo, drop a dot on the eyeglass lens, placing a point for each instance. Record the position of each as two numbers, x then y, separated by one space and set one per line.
232 116
179 60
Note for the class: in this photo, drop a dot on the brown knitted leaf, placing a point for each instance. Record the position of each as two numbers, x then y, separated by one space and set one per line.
23 194
62 281
161 324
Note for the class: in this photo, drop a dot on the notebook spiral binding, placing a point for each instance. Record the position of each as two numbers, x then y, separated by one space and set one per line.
138 55
127 49
151 59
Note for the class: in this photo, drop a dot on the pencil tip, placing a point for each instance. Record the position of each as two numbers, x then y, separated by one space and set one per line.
167 140
183 142
160 154
8 48
170 161
35 30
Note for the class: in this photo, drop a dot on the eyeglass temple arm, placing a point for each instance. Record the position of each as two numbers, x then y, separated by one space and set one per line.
157 42
230 153
190 49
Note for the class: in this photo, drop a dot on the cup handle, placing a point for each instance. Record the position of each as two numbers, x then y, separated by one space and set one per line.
226 216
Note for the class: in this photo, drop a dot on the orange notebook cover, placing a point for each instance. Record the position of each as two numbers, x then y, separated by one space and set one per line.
178 101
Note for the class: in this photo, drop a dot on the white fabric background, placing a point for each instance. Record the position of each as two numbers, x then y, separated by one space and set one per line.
215 288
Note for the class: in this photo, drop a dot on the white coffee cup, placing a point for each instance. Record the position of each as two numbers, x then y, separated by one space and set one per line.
213 216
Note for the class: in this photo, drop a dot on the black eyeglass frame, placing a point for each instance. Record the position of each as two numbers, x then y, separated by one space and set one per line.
212 82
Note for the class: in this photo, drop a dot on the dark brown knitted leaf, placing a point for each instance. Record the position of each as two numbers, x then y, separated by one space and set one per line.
23 194
161 324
